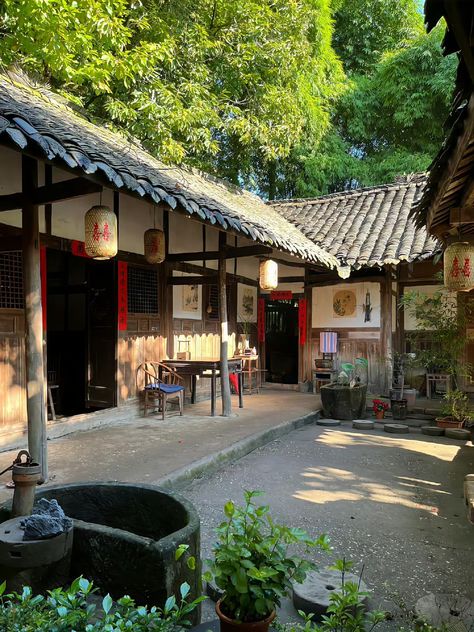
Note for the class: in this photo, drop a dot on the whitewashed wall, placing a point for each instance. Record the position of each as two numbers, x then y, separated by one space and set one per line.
323 315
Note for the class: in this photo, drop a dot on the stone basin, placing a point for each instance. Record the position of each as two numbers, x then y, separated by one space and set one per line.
125 538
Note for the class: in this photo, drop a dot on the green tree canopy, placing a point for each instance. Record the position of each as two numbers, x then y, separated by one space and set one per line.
219 84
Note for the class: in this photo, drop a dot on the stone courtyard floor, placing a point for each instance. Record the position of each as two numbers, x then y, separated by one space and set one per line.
390 503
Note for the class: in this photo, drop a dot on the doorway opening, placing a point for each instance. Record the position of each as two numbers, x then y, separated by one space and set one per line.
281 341
81 333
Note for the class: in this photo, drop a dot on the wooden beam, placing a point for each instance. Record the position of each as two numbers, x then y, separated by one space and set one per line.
451 167
386 327
193 280
50 193
324 281
468 195
457 24
225 384
229 252
35 374
291 279
462 215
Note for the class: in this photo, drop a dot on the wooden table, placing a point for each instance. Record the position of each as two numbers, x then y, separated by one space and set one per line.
199 367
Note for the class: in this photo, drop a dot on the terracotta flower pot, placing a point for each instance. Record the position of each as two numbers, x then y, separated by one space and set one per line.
230 625
448 422
379 414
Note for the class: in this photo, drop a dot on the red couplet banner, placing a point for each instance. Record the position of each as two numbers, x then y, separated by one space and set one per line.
44 287
78 248
302 311
261 320
122 295
282 295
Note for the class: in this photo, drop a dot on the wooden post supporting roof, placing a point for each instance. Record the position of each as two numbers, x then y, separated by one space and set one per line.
386 328
225 385
35 374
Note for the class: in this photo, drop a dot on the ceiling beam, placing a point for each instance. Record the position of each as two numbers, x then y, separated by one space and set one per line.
230 253
460 216
50 193
460 25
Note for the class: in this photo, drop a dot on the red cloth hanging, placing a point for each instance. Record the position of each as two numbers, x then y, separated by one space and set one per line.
234 382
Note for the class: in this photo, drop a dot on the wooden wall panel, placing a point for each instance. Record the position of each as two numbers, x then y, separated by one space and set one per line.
12 370
132 351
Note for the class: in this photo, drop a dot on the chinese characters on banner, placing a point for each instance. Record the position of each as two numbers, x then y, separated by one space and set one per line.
44 293
302 309
261 320
283 295
78 248
122 296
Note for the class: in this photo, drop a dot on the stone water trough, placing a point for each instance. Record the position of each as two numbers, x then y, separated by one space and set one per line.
125 538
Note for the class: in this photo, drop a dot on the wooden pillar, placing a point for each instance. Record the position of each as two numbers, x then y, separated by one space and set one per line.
306 350
386 328
167 292
225 385
35 382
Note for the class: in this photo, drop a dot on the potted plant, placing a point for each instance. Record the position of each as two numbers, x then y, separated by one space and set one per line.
346 397
379 407
455 410
252 565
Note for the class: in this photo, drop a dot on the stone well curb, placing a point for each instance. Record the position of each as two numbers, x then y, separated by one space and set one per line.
184 476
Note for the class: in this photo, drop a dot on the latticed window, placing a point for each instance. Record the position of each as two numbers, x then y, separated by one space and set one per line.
11 280
142 290
212 307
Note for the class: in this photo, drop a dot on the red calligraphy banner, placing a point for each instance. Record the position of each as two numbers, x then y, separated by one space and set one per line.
122 296
44 287
261 320
282 295
78 248
302 313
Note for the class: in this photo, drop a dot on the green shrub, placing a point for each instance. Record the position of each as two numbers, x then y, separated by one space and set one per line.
72 610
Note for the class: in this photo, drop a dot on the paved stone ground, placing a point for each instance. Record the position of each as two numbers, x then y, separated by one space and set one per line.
392 504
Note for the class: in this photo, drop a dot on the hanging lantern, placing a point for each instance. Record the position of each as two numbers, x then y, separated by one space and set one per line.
101 232
268 274
154 245
459 266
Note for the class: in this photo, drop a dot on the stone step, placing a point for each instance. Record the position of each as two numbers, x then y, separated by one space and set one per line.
396 428
432 431
363 424
458 433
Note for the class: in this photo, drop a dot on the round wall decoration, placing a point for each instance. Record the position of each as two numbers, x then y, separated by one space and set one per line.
344 303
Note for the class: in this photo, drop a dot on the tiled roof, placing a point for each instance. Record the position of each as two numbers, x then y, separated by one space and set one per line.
365 227
37 120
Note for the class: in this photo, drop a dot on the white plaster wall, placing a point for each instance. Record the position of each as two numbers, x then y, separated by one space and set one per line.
136 216
322 313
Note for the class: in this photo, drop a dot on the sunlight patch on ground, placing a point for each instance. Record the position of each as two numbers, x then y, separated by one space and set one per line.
338 439
329 485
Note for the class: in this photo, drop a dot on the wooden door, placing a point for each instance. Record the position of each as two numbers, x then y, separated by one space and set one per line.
101 334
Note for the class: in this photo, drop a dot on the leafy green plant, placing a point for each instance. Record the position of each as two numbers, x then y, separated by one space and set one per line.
456 405
251 562
72 609
440 338
346 612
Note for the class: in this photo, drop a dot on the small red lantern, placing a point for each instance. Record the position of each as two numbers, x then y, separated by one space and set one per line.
154 245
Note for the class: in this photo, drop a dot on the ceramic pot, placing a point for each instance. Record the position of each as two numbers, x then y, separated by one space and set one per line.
230 625
399 408
379 414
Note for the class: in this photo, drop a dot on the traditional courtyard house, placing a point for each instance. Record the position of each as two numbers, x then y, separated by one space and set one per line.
383 255
100 319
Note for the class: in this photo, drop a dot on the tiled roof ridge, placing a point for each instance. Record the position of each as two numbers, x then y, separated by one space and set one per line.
417 179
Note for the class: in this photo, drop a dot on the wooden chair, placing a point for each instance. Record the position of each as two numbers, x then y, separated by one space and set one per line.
158 384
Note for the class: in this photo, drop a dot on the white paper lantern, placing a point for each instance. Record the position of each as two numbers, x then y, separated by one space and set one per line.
101 232
154 245
268 274
459 266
